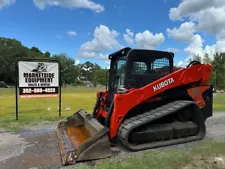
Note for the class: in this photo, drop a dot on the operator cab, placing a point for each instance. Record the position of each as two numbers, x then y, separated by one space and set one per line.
135 68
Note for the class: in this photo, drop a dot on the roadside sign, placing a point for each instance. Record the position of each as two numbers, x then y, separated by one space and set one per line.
38 79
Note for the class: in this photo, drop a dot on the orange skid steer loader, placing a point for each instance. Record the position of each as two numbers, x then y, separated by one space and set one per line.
147 104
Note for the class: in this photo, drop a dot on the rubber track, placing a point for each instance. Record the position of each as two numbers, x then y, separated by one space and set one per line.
132 123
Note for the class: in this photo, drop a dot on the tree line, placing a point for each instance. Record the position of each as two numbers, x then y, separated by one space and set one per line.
80 74
71 73
217 78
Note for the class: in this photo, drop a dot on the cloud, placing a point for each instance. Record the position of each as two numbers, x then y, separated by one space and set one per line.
6 3
210 20
174 50
77 62
195 47
144 40
101 56
180 64
107 64
93 55
104 40
119 7
88 4
210 50
221 35
207 17
220 46
148 40
128 37
190 7
184 33
71 33
207 14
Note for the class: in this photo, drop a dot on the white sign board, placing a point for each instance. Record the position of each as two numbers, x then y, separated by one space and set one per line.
38 79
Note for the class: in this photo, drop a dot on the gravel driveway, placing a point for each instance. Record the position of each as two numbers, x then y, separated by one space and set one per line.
38 146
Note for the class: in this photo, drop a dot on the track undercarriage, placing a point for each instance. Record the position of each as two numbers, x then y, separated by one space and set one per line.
174 123
177 122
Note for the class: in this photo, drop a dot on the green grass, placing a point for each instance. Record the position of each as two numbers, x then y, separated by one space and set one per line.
219 102
37 110
173 158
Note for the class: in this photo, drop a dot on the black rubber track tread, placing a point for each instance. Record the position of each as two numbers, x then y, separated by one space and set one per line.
128 125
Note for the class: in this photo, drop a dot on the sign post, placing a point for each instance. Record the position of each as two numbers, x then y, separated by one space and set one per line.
37 78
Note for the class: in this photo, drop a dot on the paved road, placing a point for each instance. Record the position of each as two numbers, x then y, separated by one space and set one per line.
38 147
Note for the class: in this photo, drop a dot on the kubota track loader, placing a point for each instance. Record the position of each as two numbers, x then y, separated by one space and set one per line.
148 104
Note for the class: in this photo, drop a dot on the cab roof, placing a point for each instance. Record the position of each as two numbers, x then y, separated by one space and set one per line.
126 50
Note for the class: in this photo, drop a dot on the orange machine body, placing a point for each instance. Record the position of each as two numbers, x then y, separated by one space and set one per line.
196 75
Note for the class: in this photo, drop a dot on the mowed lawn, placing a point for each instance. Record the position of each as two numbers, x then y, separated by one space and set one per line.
35 110
202 155
219 102
40 110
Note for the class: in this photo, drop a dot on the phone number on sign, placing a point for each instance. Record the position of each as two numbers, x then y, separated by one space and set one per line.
39 90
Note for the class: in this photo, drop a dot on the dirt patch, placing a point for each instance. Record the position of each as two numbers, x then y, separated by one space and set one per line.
207 163
11 145
43 151
41 126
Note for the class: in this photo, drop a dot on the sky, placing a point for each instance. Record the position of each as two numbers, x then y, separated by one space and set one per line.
89 30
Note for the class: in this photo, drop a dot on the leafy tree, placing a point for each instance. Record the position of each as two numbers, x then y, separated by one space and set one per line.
47 54
175 67
35 49
100 76
10 51
69 71
87 71
218 72
207 59
197 58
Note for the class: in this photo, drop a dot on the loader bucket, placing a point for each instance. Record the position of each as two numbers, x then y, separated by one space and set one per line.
81 138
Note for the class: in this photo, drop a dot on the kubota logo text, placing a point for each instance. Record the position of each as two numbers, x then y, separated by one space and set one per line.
163 84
